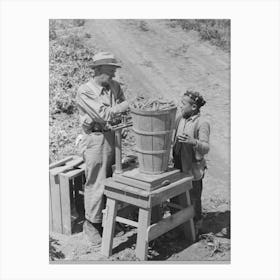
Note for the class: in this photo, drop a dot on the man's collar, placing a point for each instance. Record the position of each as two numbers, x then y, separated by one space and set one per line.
99 89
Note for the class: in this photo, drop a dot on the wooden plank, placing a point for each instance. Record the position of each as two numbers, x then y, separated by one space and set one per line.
147 182
144 221
75 172
132 182
155 179
68 166
146 143
170 191
148 159
109 229
127 189
190 224
176 206
157 163
182 180
187 227
158 143
126 221
170 222
65 204
60 162
167 140
104 213
159 123
143 185
116 185
50 210
118 151
56 204
127 198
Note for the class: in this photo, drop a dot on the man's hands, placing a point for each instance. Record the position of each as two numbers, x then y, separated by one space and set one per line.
124 133
121 107
184 138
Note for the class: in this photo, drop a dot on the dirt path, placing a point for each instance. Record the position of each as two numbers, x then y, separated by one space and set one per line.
162 60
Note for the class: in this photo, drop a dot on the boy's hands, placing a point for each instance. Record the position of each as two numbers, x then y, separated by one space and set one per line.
184 138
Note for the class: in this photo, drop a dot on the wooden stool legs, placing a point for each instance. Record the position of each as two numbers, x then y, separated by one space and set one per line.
188 227
144 220
109 229
150 224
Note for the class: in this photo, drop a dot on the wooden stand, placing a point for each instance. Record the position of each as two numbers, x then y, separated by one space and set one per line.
174 186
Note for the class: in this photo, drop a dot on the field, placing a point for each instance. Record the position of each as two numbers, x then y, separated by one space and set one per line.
159 58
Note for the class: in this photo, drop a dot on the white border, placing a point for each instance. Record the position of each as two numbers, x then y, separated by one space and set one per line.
255 138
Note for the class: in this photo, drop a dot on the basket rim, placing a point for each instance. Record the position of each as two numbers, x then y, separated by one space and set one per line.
152 113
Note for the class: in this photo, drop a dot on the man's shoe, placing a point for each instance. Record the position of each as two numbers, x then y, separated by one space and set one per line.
92 232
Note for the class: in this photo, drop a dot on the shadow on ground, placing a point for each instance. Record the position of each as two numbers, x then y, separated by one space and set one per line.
213 239
214 223
217 222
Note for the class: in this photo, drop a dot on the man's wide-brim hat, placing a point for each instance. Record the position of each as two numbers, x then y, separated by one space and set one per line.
104 58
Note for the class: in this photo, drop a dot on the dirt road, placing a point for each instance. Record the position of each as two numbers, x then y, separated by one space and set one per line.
159 59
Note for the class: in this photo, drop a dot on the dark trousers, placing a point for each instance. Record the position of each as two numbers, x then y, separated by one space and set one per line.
195 194
196 191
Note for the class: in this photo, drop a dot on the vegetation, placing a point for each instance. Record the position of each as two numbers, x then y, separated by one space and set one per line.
216 31
69 57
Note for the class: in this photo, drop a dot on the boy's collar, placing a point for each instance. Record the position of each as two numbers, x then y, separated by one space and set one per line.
193 117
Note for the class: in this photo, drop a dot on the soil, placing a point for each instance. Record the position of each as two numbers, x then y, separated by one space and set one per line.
160 59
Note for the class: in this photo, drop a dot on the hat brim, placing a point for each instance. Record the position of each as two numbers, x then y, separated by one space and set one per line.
100 64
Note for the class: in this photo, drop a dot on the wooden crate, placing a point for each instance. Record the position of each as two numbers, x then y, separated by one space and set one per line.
66 180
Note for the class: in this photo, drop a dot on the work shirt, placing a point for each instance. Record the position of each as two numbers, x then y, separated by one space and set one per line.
186 156
98 104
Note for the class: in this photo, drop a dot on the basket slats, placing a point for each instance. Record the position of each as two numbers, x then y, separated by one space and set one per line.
153 131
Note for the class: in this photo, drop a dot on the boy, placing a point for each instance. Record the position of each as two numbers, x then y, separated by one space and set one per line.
191 144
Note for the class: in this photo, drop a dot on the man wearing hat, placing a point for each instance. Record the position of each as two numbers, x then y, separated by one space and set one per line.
98 100
191 144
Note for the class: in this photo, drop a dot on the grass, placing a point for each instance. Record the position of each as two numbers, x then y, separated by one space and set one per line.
216 31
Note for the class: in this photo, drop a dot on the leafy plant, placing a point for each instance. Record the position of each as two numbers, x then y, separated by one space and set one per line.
216 31
69 58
